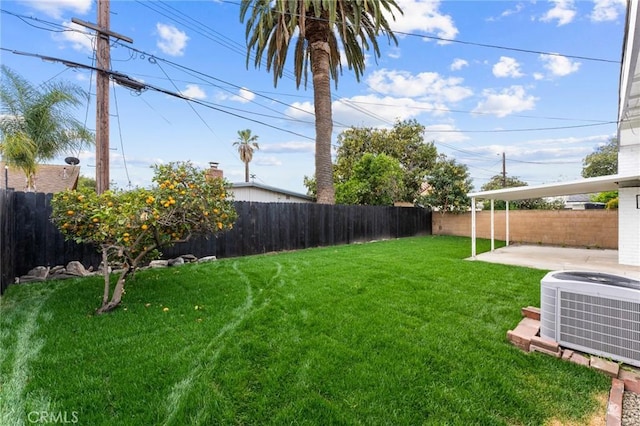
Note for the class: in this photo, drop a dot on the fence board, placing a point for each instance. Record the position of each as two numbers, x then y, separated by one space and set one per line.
7 239
29 239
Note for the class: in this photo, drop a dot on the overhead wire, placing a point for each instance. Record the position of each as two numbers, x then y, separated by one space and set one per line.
145 86
124 157
351 103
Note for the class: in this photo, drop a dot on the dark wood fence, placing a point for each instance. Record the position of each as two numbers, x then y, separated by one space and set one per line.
29 239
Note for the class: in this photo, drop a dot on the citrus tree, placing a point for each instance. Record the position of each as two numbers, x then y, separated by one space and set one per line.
130 227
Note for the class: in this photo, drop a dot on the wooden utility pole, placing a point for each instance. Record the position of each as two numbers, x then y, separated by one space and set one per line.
103 62
504 171
103 56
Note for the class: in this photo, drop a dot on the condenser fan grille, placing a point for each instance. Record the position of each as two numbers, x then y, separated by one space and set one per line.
608 326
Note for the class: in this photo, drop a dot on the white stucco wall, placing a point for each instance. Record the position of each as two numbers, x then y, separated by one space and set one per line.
628 226
260 195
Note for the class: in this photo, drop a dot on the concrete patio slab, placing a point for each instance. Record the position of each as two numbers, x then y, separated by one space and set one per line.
560 258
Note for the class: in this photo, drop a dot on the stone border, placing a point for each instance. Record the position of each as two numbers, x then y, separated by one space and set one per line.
76 269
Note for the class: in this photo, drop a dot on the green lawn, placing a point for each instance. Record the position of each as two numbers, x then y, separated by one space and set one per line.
393 332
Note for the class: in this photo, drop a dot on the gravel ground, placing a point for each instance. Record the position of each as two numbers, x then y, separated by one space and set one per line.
631 409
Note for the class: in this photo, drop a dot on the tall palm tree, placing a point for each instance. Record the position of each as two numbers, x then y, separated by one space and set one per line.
271 24
36 124
246 144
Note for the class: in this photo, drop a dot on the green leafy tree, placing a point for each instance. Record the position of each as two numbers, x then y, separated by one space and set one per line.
376 180
317 25
404 143
36 122
499 182
85 182
603 161
604 197
246 144
449 184
130 227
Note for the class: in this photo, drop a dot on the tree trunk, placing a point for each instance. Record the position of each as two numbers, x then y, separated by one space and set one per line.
318 39
118 291
105 273
246 171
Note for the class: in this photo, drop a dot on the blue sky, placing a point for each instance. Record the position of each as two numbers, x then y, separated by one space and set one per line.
546 95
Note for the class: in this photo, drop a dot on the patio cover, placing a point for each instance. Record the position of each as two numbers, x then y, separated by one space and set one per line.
582 186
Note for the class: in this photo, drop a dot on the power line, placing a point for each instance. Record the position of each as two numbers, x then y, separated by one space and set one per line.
137 86
471 43
124 158
515 49
531 129
348 103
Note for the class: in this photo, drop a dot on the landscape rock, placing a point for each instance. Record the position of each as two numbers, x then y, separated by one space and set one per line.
189 258
176 262
76 268
59 269
29 278
39 272
207 259
158 264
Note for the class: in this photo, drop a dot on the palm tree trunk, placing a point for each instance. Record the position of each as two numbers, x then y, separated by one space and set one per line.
324 121
246 171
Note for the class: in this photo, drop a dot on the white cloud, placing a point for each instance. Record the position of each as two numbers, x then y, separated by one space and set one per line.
563 12
507 67
244 96
538 75
55 8
423 16
508 101
172 41
507 12
458 64
81 39
289 147
268 161
394 53
608 10
443 133
559 66
193 91
429 85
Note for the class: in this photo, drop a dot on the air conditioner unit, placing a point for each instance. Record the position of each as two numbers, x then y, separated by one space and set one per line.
592 312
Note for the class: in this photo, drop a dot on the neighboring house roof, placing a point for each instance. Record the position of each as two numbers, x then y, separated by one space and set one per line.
275 193
578 198
49 178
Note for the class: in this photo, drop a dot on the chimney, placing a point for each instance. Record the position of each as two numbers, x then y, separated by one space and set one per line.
214 172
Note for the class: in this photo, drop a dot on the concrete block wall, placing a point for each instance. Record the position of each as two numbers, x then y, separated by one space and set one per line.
571 228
